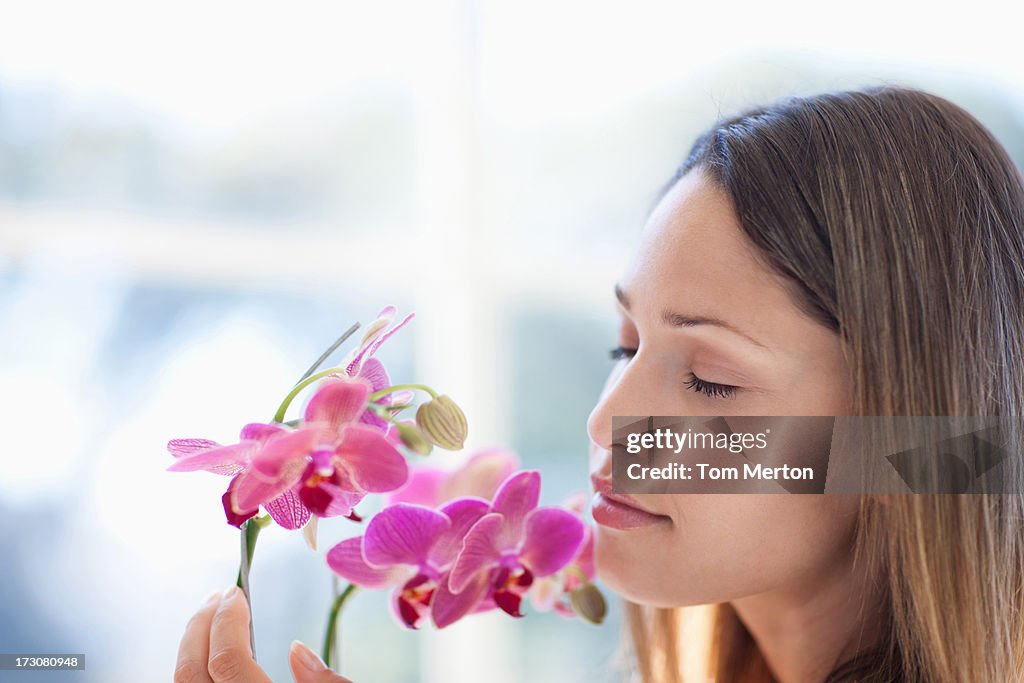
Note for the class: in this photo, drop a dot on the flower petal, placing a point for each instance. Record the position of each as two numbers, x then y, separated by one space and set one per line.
370 460
446 607
346 560
286 452
463 513
235 519
402 534
222 459
515 498
422 487
253 489
181 448
479 552
338 401
287 510
553 537
481 475
345 495
382 338
259 431
373 372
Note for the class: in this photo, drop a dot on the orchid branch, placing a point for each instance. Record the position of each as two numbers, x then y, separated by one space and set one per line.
330 649
251 528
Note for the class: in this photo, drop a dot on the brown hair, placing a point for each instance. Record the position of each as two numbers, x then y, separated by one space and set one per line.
898 220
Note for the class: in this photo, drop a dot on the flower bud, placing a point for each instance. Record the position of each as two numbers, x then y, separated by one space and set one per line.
443 422
588 602
415 440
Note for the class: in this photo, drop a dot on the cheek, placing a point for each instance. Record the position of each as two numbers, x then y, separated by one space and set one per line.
724 547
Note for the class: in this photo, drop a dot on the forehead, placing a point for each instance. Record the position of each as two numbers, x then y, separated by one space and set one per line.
694 258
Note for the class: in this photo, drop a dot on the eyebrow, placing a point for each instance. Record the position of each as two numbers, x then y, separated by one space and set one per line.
674 319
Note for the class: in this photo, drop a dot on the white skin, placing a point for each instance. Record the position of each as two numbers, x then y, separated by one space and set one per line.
783 561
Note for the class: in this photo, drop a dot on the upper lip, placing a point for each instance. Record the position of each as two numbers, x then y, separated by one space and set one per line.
604 487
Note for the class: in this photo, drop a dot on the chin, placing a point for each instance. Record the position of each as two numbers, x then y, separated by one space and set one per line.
622 567
637 573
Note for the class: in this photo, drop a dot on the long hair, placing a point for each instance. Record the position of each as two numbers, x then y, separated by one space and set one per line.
897 220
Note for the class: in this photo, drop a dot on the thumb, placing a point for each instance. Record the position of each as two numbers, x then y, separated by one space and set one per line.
307 667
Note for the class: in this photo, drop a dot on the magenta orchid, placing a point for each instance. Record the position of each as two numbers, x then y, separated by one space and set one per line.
515 543
328 465
554 592
413 547
204 454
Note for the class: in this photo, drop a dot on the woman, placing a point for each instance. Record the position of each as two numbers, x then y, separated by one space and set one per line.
852 253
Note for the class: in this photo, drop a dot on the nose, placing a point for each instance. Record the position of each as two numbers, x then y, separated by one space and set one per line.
623 394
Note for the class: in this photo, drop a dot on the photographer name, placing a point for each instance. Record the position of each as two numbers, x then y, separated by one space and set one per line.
704 471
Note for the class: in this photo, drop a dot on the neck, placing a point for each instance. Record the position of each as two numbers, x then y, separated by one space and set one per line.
807 630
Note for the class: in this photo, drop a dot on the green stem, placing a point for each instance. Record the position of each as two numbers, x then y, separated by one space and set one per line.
332 623
250 532
283 408
387 390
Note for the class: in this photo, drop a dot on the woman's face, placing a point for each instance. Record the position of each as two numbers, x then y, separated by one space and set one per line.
766 358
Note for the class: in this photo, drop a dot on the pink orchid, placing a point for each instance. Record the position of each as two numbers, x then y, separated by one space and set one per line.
412 547
328 464
324 467
480 476
204 454
550 592
360 362
515 543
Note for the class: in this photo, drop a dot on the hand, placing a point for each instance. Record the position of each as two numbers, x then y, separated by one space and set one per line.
215 648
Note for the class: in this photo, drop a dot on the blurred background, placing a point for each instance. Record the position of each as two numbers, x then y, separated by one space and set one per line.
196 198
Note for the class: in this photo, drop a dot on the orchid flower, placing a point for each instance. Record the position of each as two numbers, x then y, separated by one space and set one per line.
204 454
412 547
328 464
550 592
480 476
515 543
361 363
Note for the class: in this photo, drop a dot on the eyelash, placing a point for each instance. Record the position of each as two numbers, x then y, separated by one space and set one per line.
695 383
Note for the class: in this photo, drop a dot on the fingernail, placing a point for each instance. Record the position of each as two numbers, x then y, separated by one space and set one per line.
307 658
211 597
229 592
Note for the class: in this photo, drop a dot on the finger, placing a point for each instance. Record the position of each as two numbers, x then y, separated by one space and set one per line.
194 649
230 654
307 667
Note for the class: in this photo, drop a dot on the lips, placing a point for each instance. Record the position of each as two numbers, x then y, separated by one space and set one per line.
619 511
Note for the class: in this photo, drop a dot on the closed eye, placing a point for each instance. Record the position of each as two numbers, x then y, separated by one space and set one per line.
694 383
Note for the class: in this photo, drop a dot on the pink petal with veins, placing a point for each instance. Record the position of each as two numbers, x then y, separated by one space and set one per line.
282 453
254 488
516 497
402 534
446 607
463 513
553 537
338 401
259 431
479 552
371 462
346 560
181 448
287 510
222 459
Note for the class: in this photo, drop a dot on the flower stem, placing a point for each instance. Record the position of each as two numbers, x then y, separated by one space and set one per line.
250 532
283 408
330 649
387 390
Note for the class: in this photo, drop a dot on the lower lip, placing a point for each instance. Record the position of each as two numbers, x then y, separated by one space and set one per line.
616 515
